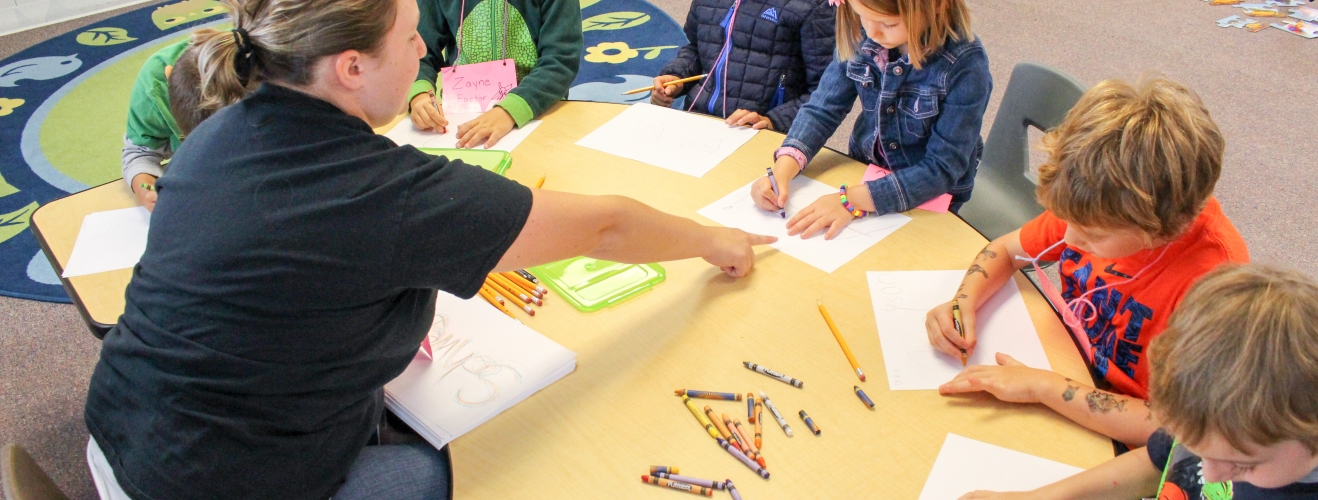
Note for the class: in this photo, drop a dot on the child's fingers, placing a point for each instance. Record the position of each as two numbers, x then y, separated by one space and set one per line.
1005 359
761 125
735 117
835 229
750 118
819 224
762 194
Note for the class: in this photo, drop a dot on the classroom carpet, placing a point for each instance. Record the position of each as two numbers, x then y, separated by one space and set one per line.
1259 87
64 103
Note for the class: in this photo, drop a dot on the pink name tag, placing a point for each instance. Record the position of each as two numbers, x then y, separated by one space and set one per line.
939 204
473 88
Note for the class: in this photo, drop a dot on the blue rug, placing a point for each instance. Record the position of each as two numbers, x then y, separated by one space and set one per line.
64 105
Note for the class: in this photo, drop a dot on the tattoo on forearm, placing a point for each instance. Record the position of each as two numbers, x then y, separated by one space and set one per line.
1103 402
1069 394
987 254
976 268
960 295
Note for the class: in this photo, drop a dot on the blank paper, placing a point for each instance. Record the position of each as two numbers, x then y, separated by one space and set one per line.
668 138
108 241
739 211
407 134
965 465
902 299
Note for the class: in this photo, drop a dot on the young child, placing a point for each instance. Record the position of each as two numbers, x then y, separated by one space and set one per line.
923 82
543 37
1233 385
165 105
763 62
1132 223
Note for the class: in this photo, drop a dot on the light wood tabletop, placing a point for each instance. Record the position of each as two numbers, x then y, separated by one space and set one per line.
596 431
99 297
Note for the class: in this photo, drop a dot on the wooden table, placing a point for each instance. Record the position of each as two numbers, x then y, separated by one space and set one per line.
595 432
99 297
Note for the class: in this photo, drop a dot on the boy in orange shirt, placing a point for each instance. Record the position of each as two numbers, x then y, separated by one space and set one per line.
1132 224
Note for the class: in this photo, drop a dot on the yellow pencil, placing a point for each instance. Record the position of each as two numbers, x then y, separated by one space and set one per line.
509 295
514 289
490 297
534 289
841 341
540 183
669 84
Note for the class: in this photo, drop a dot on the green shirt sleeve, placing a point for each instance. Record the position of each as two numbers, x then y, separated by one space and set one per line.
559 46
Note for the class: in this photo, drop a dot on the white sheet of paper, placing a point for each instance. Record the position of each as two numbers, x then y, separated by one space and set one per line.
902 298
109 240
484 363
668 138
739 211
965 465
406 133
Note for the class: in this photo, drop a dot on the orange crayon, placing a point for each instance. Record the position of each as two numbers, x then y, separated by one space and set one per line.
718 424
746 438
759 423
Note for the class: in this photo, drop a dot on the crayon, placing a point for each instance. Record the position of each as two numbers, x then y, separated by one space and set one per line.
732 488
750 407
776 416
863 398
746 438
744 459
663 469
724 396
658 481
956 322
689 480
810 422
723 431
762 369
759 424
841 341
700 417
736 438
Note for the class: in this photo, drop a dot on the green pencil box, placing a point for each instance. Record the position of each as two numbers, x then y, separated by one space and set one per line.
495 161
592 284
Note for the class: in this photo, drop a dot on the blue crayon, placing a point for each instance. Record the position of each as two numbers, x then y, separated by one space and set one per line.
809 422
863 398
750 407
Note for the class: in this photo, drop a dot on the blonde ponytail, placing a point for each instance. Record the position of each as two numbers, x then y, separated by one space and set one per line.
282 40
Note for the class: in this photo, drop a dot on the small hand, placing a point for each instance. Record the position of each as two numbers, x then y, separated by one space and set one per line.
733 250
486 129
426 114
661 95
825 213
942 332
1010 381
747 118
145 197
784 170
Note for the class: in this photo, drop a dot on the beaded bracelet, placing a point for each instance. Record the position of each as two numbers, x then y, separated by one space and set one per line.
855 212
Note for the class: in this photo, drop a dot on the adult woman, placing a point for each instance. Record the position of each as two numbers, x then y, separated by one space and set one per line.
293 257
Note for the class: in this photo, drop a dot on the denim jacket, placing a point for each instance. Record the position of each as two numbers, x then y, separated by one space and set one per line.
926 121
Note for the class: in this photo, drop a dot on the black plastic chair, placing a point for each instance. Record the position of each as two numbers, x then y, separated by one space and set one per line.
1004 200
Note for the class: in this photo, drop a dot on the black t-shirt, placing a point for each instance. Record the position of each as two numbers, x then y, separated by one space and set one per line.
290 272
1186 482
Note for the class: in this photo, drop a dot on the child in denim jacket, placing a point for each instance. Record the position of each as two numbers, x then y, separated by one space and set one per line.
923 81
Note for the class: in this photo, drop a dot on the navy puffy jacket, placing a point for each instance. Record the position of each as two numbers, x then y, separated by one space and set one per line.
774 41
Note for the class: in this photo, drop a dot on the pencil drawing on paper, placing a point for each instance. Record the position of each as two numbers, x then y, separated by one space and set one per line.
480 374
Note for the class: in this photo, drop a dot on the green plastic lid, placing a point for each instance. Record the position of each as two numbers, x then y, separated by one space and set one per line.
495 161
592 284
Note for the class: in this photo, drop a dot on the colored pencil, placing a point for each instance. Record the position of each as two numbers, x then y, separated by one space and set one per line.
669 84
841 341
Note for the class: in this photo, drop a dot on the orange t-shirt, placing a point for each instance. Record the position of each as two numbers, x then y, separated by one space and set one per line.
1130 314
